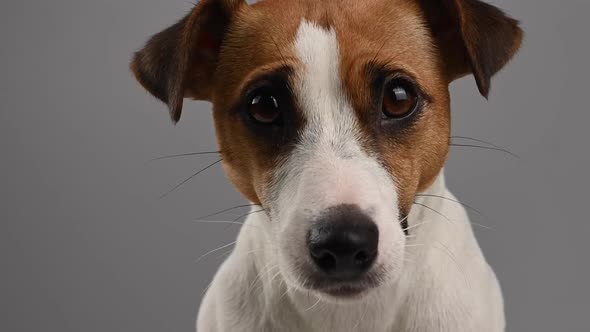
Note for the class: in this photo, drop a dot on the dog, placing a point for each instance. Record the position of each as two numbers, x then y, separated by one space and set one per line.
333 119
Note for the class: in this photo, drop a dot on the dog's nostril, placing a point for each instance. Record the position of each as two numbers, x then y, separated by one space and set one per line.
362 257
325 259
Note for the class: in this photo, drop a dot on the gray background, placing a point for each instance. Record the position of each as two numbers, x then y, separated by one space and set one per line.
86 245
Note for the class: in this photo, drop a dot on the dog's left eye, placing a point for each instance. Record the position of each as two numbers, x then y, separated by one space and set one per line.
399 99
264 107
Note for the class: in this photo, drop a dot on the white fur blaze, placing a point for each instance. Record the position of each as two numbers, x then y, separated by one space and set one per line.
329 167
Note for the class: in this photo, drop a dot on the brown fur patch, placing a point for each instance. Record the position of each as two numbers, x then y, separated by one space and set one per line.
391 33
409 36
398 40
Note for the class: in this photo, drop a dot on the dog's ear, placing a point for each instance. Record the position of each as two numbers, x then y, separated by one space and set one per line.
474 37
180 61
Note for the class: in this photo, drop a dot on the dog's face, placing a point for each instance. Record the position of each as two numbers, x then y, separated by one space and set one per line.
330 114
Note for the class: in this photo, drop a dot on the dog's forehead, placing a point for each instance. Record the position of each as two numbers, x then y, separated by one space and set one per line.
264 37
373 20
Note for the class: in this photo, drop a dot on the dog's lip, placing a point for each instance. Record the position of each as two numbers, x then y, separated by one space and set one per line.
344 290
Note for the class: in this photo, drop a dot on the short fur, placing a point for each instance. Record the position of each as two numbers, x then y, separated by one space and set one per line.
430 274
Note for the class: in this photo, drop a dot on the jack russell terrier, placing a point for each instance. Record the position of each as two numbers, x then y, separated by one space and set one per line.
333 118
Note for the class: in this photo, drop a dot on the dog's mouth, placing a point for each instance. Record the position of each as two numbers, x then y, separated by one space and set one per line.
345 289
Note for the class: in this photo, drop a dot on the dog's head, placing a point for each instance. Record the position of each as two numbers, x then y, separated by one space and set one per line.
331 114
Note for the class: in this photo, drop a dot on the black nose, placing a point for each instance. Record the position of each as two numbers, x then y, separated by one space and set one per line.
343 243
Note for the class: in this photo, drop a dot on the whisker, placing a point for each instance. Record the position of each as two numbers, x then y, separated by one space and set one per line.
281 284
285 293
362 316
453 200
249 213
412 227
313 306
214 251
225 253
404 224
265 270
190 178
216 222
226 210
254 251
223 222
184 155
477 140
448 219
450 254
272 280
244 253
485 148
482 226
435 211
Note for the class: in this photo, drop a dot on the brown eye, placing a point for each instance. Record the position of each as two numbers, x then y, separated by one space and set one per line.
264 107
399 99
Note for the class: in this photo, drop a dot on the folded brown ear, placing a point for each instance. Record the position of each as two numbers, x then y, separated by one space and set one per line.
180 61
474 37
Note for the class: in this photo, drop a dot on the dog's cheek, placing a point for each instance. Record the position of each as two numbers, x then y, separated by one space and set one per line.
293 252
435 139
241 183
289 229
251 175
238 154
401 165
248 162
416 158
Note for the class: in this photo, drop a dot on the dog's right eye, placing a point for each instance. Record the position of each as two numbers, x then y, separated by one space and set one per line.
264 107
